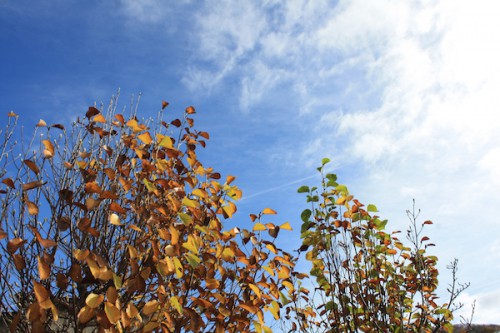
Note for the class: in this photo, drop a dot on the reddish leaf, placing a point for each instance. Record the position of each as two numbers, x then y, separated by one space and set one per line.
9 182
92 112
176 123
115 207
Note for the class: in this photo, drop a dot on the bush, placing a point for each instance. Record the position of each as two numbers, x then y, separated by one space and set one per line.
114 224
365 278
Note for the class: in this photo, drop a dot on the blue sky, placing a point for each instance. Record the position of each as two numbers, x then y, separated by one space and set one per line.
402 96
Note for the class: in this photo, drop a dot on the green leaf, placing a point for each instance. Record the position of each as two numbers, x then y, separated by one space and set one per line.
325 161
372 208
303 189
185 218
342 189
306 214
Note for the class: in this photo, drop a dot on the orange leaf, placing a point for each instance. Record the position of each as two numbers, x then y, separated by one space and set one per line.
99 118
11 114
190 110
85 314
92 187
41 293
49 148
146 138
115 207
164 104
43 269
269 211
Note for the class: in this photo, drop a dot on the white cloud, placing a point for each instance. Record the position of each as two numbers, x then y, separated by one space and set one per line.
407 92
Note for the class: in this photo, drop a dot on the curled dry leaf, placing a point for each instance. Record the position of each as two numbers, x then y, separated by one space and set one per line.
14 244
49 149
31 185
43 269
33 167
9 182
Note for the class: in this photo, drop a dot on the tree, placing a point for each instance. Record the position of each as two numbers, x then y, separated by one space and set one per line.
116 225
365 278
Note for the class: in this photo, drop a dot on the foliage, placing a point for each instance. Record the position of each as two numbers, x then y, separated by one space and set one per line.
366 279
115 224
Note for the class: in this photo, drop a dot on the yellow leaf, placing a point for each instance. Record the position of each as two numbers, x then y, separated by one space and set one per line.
286 226
227 254
145 137
255 289
259 227
174 301
200 193
166 142
269 211
174 235
11 114
94 300
114 219
189 203
80 254
179 270
112 312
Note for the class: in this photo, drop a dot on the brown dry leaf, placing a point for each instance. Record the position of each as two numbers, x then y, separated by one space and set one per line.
41 293
80 255
92 112
32 208
49 149
92 187
115 207
32 185
32 165
19 262
9 182
190 110
150 307
43 269
85 314
14 244
63 223
91 203
3 234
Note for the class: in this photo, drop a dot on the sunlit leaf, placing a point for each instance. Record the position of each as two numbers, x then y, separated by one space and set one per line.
49 149
286 226
114 219
259 227
32 208
94 300
112 312
43 269
145 137
269 211
14 244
